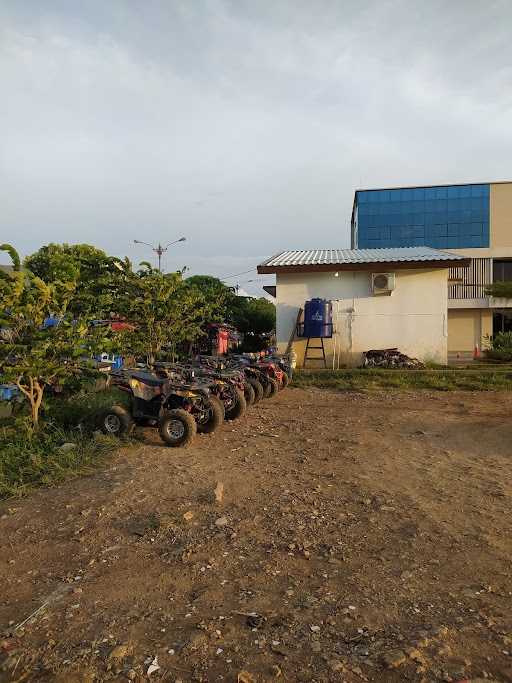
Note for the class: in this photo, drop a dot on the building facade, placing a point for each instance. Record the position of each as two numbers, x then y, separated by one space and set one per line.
474 220
412 315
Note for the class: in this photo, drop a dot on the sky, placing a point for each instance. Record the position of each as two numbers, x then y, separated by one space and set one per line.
244 126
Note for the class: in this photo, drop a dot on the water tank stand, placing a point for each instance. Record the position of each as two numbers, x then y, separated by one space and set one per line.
311 348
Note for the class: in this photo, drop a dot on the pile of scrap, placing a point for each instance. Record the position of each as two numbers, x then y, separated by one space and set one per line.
389 358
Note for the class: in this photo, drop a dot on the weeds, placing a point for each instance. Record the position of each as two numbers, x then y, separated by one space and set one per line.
437 380
29 459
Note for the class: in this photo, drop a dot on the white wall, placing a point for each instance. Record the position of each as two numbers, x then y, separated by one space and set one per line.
413 318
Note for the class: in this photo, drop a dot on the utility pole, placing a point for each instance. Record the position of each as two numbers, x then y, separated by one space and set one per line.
160 250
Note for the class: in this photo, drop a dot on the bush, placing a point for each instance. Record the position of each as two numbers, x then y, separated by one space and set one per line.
502 342
499 354
30 460
500 347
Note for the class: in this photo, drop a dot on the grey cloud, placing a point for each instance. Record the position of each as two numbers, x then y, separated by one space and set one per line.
245 126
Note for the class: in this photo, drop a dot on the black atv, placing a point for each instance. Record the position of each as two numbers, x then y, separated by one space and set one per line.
178 410
226 385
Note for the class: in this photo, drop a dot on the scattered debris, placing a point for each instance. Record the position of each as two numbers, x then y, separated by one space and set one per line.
120 651
219 492
188 516
68 446
393 659
389 358
245 677
153 667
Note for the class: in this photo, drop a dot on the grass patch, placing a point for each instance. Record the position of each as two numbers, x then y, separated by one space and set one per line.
437 380
28 460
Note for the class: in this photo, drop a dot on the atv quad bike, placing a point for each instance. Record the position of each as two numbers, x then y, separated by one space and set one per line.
177 410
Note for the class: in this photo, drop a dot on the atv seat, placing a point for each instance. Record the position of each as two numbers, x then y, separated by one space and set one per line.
150 380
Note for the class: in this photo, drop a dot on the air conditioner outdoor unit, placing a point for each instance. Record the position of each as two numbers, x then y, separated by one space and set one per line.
383 283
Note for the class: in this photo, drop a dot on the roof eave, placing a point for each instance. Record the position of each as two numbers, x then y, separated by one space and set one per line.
376 266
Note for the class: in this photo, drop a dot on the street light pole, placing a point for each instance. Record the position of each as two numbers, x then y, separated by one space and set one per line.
160 250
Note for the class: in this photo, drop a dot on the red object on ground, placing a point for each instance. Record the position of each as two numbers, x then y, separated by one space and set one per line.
222 341
120 327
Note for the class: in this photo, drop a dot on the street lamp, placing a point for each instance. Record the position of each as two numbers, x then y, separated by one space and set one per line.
159 249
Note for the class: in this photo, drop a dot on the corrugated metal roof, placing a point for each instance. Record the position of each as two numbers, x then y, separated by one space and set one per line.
315 257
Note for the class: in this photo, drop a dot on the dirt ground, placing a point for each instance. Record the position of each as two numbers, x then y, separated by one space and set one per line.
359 538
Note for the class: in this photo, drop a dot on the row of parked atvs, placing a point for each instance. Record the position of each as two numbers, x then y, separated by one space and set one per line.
182 399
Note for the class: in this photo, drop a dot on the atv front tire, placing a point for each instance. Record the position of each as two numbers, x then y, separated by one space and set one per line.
177 428
115 421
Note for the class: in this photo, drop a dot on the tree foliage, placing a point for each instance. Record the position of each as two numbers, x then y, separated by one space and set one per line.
33 355
249 315
253 315
163 310
97 277
500 290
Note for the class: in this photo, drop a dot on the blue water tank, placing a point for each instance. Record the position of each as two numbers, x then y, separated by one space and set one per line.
318 318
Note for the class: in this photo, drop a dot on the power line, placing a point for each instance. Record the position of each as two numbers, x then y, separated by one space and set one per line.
227 277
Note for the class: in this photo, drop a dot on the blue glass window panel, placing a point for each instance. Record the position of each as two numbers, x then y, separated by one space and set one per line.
415 215
473 241
475 229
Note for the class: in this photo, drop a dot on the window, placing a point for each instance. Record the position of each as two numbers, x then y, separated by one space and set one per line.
501 322
461 210
502 271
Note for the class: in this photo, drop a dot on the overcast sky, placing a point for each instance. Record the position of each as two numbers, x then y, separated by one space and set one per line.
243 125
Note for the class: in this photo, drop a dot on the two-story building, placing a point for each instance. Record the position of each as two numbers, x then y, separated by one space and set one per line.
473 220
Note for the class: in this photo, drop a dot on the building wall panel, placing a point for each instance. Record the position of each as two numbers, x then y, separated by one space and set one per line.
413 318
501 215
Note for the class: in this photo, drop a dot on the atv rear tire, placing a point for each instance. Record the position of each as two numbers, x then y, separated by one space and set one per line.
274 387
267 388
217 400
258 389
238 408
177 428
215 416
115 421
249 394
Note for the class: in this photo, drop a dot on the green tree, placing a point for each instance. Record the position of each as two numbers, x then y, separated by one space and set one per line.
31 355
97 276
163 309
253 315
220 295
500 290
